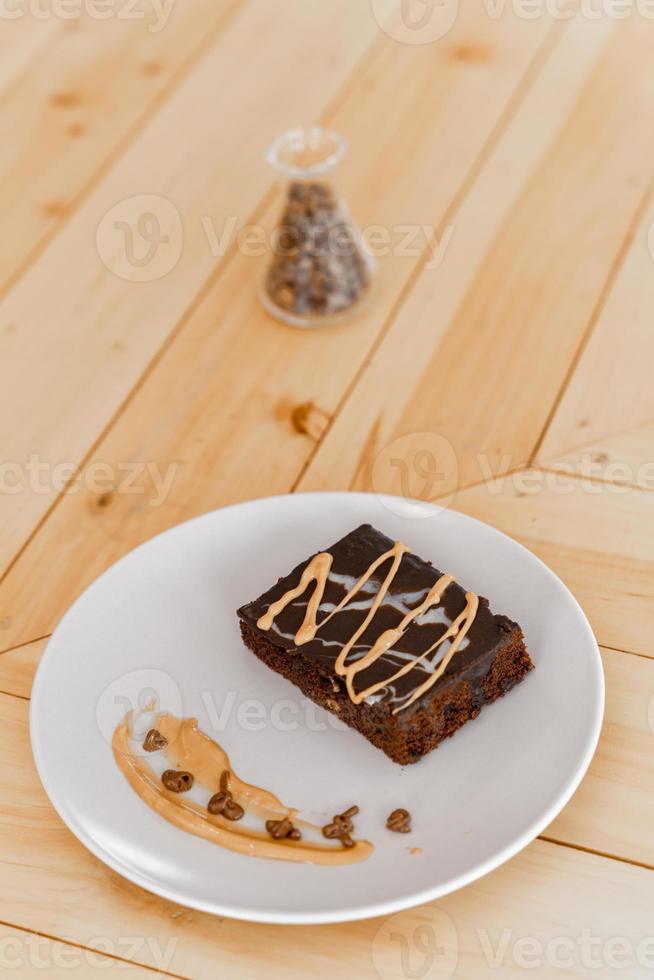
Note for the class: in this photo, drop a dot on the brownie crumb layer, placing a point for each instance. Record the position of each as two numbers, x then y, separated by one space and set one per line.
404 738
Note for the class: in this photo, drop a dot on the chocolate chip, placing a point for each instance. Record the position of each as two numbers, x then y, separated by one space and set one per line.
217 803
331 831
350 812
223 802
281 829
177 781
399 821
341 826
154 741
278 829
233 811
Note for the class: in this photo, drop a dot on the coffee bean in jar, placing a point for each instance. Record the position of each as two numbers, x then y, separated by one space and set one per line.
318 270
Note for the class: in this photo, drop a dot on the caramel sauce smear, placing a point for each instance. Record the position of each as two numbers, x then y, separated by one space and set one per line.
189 750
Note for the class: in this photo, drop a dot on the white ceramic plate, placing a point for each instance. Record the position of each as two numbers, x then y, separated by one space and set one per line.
163 620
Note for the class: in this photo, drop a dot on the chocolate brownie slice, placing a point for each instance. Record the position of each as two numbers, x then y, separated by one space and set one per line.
381 638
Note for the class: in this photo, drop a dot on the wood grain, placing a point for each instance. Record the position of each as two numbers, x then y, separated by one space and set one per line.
97 332
518 328
18 666
22 41
236 420
484 342
37 956
624 458
93 86
599 538
604 424
613 809
547 892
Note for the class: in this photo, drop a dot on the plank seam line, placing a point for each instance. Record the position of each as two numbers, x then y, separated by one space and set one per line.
129 398
598 309
475 484
26 643
119 149
97 952
506 116
521 468
578 447
461 489
628 653
596 853
13 694
551 468
373 49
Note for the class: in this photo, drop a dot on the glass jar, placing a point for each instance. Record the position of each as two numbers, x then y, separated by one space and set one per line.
319 272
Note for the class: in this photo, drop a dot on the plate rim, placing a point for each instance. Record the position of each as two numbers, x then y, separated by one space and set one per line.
384 908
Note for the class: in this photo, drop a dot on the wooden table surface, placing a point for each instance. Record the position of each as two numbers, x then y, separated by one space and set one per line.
510 163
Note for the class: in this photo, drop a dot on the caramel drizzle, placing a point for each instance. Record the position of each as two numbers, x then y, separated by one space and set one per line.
318 571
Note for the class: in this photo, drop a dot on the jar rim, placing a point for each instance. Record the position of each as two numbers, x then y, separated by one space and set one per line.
286 152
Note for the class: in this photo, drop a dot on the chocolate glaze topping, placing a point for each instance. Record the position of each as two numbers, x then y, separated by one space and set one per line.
351 558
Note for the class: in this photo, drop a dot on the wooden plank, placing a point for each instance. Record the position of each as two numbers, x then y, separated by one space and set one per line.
604 423
88 92
546 892
22 42
480 349
235 428
612 811
95 331
624 458
230 410
597 537
32 955
17 668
